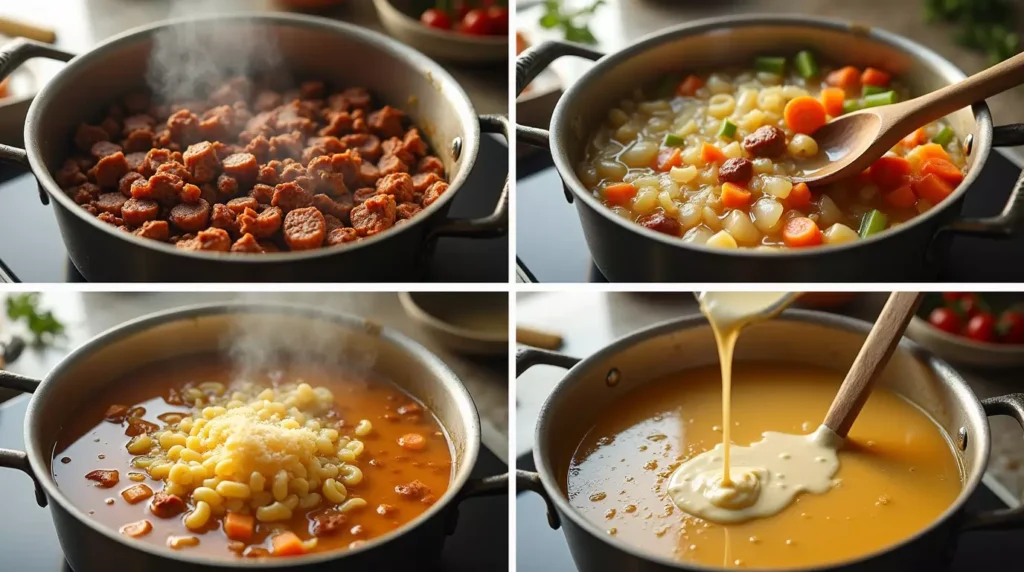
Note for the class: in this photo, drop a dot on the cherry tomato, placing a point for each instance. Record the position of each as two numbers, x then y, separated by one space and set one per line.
945 319
499 20
952 297
476 23
436 19
969 305
1011 327
981 328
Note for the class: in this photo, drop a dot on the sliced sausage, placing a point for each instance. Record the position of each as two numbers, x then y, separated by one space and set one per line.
103 479
434 192
661 223
166 505
101 149
375 215
765 141
263 225
738 170
135 212
406 211
155 229
430 164
241 166
341 235
190 217
212 239
88 135
398 185
241 203
304 228
110 203
290 196
201 160
109 170
386 122
247 243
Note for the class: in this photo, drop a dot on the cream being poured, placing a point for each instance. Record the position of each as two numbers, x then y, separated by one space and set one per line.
733 483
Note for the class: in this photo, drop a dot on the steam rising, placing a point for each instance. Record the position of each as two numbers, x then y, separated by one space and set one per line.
191 59
260 343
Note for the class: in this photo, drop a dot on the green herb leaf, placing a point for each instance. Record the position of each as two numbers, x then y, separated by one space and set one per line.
572 23
44 326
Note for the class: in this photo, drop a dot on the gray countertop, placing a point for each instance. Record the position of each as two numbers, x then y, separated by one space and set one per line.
89 313
589 321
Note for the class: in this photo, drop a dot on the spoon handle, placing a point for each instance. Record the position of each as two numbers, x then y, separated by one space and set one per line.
877 348
978 87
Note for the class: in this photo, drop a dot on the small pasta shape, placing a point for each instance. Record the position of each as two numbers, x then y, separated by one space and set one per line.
351 475
352 504
363 428
334 491
274 513
232 489
199 516
721 105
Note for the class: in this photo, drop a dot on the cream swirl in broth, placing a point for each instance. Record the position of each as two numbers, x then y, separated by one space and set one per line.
732 483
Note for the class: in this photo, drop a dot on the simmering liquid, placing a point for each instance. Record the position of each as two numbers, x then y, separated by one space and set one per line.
894 477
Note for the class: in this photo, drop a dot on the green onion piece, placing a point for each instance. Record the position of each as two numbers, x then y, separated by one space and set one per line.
667 87
873 90
805 64
727 130
873 223
943 137
772 65
886 98
851 105
674 141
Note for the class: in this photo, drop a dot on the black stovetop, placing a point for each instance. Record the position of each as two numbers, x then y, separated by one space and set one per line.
541 549
28 541
550 246
31 249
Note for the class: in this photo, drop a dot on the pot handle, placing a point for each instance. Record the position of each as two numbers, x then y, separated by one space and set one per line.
10 458
1011 405
492 486
1011 220
494 224
533 61
12 55
528 480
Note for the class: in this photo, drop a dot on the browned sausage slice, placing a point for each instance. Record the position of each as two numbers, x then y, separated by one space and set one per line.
304 229
191 217
765 141
137 211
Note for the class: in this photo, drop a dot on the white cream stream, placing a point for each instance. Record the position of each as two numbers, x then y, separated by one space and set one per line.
733 483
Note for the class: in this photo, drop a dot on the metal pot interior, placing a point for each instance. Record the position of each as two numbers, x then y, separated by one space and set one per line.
301 47
732 42
824 340
353 344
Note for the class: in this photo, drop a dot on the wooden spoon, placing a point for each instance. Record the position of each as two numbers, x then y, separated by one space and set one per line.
849 144
873 356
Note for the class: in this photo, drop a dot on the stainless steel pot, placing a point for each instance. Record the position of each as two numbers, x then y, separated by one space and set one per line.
595 383
627 252
309 47
90 546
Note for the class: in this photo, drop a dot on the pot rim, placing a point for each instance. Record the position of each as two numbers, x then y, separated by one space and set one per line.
439 76
451 383
972 407
560 120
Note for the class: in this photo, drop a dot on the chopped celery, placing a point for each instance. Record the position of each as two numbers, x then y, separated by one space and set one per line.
943 137
674 141
873 90
873 223
805 64
667 87
773 65
851 105
878 99
727 130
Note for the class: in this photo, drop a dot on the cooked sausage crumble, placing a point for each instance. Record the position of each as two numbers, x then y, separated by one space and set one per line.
251 170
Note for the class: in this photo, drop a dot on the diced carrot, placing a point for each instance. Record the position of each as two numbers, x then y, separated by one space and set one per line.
239 526
919 155
412 441
288 544
619 194
845 77
889 172
902 197
668 158
136 494
801 231
916 138
799 197
943 169
804 114
932 188
874 77
711 154
832 98
690 85
734 196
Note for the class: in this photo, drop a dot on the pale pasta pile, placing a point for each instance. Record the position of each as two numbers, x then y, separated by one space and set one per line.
261 452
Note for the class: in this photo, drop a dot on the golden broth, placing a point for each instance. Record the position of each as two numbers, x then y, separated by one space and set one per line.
894 478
